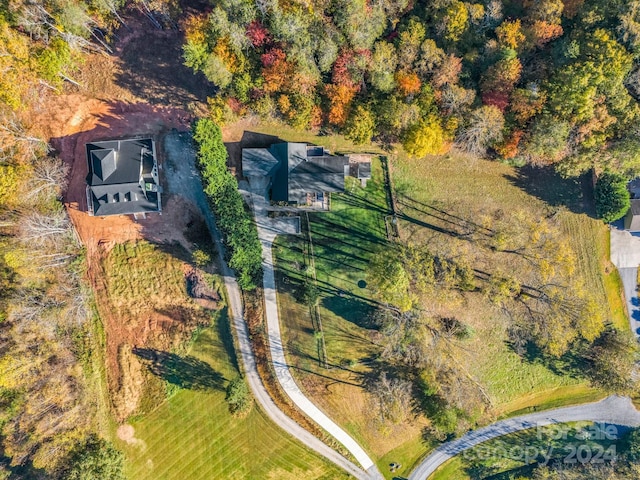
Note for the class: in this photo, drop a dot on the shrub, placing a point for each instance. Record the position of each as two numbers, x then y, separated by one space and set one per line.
240 235
95 459
612 197
238 397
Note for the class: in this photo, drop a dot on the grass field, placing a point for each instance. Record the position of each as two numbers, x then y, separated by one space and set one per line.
345 239
193 435
513 455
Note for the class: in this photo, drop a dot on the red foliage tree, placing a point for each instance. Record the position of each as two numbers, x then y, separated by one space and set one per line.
349 67
496 98
258 34
277 71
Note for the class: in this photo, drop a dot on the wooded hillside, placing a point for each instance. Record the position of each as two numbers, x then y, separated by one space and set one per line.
538 81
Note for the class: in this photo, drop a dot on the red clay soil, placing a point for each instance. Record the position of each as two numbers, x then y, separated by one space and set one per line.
141 90
80 121
93 121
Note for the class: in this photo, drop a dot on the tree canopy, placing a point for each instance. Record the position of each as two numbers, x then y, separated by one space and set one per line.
546 82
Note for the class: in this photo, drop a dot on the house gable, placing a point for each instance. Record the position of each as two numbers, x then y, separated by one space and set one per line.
123 177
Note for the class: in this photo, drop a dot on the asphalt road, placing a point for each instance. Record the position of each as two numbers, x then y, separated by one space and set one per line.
614 410
182 176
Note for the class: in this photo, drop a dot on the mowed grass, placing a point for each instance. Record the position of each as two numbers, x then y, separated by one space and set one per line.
344 241
193 436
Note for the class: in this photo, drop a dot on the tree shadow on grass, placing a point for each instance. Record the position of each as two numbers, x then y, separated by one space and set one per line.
185 372
570 364
223 328
356 310
576 194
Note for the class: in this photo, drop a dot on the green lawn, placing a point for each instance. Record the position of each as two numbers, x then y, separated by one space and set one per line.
512 456
437 195
193 436
344 241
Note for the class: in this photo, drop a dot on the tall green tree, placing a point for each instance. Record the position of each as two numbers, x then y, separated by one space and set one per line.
612 197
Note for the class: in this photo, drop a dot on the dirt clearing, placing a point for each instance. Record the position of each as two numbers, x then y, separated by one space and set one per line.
138 269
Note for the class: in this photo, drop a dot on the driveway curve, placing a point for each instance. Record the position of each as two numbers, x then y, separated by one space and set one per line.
615 410
182 177
268 229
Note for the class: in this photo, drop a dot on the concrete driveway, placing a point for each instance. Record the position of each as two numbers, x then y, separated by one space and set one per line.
625 255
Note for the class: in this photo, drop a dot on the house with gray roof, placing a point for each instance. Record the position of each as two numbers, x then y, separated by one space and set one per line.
123 178
296 173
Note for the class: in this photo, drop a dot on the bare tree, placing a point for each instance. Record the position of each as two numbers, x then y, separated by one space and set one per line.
454 98
52 231
483 129
393 398
16 141
49 178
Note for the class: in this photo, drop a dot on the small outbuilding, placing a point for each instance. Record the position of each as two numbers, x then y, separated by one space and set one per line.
632 218
123 178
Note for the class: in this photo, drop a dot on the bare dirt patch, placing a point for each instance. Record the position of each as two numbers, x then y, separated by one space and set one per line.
142 90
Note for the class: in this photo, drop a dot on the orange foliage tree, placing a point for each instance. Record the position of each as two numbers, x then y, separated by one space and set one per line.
277 72
408 83
508 148
340 100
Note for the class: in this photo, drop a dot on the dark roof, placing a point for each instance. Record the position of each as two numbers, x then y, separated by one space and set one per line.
364 170
123 177
305 169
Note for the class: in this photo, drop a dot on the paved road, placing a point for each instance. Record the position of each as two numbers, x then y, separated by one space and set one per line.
612 410
182 177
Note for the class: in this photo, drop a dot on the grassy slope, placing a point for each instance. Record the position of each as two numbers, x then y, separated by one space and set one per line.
192 435
515 385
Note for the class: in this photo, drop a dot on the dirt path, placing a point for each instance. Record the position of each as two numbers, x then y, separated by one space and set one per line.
614 410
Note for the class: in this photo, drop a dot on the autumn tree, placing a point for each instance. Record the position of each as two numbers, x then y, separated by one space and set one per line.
383 66
340 99
360 125
482 130
426 137
510 34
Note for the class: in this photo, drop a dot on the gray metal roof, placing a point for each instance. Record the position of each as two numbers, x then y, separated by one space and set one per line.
632 218
123 177
300 169
258 162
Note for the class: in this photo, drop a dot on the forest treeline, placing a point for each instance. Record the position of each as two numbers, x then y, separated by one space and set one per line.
530 81
49 335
